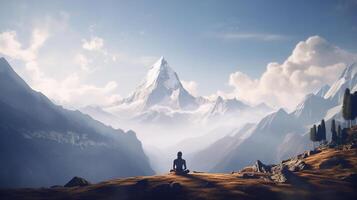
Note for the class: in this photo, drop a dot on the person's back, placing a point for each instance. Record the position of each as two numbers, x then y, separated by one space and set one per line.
179 165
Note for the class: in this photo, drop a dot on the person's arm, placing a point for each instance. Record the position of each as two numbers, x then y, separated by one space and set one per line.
184 164
173 167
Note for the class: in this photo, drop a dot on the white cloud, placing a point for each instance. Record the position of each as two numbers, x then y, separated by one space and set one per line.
312 64
190 86
94 44
10 46
71 91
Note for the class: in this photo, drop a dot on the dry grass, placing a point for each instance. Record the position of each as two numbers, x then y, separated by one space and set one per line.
315 184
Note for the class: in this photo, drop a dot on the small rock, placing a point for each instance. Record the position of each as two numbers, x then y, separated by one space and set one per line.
77 181
282 175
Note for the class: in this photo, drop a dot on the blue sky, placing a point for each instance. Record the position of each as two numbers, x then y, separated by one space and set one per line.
204 41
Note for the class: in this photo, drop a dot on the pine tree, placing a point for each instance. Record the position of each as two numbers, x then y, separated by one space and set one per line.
354 105
318 134
333 131
313 135
323 130
346 106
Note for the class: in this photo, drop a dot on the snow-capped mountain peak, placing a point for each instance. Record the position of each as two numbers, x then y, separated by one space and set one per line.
322 91
348 79
162 73
349 72
161 87
223 106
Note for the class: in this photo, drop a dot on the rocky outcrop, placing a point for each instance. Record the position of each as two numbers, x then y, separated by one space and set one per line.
260 167
77 181
295 165
280 173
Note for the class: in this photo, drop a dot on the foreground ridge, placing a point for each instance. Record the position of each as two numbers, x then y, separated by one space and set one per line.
324 173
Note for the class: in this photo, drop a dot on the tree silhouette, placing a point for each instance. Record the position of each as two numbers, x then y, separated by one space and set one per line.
318 134
353 100
347 105
313 135
333 132
323 131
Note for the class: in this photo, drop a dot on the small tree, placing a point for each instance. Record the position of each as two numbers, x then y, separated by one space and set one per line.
347 105
333 131
323 130
353 105
318 133
313 135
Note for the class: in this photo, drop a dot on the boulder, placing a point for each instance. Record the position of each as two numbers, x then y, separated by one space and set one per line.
260 167
296 165
77 181
282 175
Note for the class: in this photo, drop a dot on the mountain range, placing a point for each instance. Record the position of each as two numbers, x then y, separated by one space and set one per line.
280 135
162 99
43 144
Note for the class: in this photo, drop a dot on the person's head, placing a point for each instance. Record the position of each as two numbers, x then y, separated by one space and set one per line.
179 154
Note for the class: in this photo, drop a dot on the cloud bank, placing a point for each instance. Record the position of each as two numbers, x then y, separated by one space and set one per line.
312 64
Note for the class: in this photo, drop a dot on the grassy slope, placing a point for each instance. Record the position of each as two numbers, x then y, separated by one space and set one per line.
314 184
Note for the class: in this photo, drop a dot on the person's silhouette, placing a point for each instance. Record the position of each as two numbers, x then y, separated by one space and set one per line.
179 165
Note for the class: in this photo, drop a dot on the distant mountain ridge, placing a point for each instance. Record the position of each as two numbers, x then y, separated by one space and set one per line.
42 144
281 134
162 99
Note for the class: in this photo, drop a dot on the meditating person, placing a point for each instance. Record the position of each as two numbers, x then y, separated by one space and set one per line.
179 166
